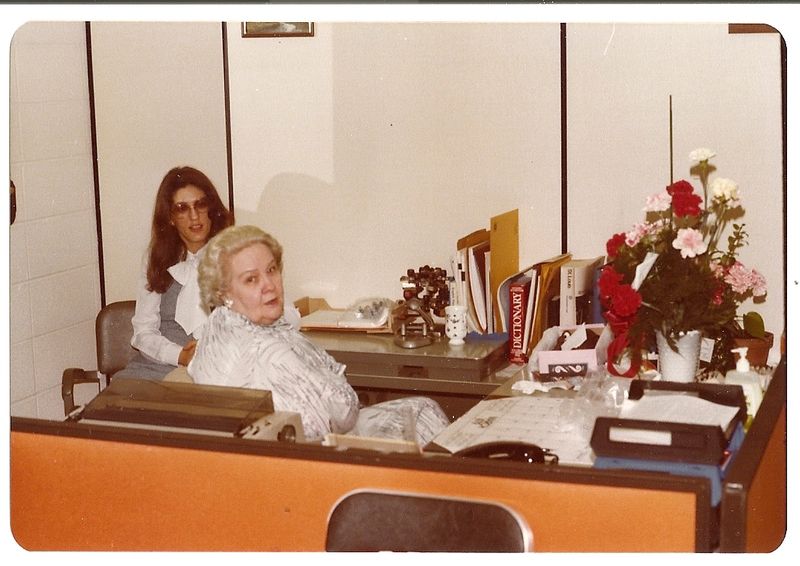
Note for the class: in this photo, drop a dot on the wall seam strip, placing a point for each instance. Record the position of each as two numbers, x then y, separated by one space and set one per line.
228 141
564 184
95 172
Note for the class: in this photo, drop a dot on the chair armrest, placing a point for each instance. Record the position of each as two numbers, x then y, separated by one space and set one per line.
70 378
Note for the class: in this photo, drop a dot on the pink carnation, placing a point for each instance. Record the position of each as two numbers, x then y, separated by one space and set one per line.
658 202
637 233
643 229
690 242
759 284
743 280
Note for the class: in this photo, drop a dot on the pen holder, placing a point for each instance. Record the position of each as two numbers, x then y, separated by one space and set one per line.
456 326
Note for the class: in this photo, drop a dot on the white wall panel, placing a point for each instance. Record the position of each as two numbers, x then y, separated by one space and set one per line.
45 184
726 95
63 299
53 248
64 348
369 149
159 97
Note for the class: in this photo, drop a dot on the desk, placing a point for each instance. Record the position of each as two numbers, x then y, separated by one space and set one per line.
456 377
196 492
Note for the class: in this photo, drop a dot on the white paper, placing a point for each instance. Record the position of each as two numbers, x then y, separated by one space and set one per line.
640 436
340 319
643 269
534 420
575 339
678 408
530 387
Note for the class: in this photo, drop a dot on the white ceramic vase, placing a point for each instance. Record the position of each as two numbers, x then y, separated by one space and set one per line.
681 365
456 325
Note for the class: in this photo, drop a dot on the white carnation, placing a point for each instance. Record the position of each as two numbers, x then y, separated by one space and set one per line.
724 189
701 154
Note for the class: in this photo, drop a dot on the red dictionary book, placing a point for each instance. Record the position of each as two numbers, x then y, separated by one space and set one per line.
517 320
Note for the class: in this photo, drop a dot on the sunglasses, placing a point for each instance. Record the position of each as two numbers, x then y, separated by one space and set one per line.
181 209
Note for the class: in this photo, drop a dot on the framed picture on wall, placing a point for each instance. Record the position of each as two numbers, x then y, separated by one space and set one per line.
277 29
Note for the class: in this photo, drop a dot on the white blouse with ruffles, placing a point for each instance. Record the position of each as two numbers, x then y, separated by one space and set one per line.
303 378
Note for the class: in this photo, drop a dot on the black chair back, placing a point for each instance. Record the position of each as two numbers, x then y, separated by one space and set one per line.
113 332
402 522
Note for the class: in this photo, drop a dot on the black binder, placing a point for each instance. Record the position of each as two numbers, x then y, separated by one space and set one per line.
688 443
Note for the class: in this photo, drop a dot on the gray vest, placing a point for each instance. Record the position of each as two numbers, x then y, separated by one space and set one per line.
145 368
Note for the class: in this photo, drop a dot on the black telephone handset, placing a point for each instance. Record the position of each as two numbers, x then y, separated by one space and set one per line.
512 451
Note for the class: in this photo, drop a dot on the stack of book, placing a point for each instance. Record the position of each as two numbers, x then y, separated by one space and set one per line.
578 297
501 298
483 259
529 298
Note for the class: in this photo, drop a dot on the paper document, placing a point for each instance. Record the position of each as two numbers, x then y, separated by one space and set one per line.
672 408
534 420
342 319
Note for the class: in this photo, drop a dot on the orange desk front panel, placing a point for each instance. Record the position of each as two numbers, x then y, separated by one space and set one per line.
87 487
753 510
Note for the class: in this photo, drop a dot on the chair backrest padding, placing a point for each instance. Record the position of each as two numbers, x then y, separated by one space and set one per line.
114 331
377 521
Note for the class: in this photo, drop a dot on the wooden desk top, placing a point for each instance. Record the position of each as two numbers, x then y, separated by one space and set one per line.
473 350
375 362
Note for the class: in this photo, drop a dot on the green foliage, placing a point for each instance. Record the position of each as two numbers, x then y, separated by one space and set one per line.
753 324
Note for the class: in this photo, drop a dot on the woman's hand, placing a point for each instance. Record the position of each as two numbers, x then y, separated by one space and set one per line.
187 353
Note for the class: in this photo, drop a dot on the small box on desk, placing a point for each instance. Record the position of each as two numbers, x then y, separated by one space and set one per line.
551 361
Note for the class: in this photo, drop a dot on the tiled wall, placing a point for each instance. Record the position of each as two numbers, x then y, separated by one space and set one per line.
54 282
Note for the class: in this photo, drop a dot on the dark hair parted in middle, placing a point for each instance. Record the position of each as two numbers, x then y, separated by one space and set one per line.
166 247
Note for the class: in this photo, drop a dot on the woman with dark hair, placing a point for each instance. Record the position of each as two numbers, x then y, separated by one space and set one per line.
169 319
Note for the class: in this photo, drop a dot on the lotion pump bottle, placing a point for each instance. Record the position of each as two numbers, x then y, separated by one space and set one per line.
748 379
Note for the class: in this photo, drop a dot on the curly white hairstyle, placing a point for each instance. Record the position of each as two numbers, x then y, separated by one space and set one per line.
214 270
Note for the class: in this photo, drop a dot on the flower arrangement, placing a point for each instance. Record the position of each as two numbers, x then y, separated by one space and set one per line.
670 274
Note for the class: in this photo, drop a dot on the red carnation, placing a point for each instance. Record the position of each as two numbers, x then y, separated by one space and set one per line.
609 280
686 204
614 244
681 187
625 300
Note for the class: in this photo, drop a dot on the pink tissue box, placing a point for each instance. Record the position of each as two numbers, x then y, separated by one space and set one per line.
566 363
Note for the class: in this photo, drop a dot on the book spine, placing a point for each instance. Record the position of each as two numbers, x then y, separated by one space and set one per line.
595 307
568 296
518 301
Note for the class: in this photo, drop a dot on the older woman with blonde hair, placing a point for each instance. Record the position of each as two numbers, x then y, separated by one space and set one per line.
249 343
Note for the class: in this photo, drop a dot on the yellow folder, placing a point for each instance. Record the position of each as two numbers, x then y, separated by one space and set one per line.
504 246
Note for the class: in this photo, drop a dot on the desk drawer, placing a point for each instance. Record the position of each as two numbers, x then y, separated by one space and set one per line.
421 366
377 354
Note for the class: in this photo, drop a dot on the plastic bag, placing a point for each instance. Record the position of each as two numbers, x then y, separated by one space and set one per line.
600 395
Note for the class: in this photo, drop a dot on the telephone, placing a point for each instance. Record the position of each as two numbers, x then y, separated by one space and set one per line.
511 451
367 313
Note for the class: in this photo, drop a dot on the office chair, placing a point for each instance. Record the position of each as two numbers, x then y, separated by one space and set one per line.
113 332
405 522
